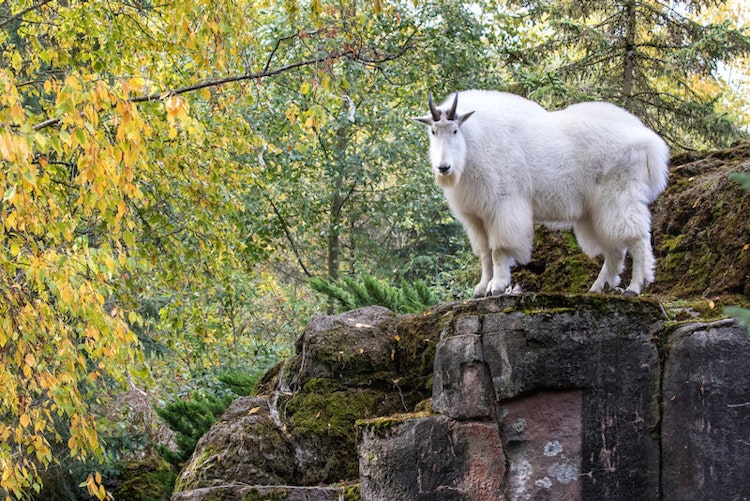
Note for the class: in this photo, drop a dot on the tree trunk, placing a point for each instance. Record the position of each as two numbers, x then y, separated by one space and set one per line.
630 52
334 230
337 201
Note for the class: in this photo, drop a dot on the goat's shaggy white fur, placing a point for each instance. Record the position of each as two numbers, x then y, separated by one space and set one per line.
504 163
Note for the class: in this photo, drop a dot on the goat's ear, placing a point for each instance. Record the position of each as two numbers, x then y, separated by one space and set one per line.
427 119
464 117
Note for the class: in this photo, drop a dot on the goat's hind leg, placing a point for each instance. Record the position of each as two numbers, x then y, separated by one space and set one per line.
609 276
614 260
643 266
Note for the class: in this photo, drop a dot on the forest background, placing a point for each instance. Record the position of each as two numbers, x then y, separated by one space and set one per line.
174 174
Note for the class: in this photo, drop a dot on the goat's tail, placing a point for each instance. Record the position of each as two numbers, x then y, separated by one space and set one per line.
657 166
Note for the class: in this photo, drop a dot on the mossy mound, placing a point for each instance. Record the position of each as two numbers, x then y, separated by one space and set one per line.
324 421
149 479
300 431
557 264
701 238
701 228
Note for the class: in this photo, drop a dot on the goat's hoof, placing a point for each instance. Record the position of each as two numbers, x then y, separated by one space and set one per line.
629 293
497 287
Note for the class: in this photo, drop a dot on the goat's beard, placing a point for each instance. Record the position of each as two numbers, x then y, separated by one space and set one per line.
446 180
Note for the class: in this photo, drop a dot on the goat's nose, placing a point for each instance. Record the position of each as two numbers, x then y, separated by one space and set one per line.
444 168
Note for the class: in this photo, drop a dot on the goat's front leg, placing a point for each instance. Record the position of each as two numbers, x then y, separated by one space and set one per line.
482 288
477 234
511 237
501 263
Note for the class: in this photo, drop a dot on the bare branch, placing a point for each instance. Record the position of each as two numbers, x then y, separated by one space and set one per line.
350 53
24 11
276 48
216 82
288 234
47 123
239 78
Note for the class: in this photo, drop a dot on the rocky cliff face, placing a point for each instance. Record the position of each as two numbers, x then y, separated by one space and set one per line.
532 397
521 397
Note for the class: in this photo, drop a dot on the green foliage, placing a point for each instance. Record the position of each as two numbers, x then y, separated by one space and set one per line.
240 383
741 314
350 293
62 480
651 57
742 178
190 419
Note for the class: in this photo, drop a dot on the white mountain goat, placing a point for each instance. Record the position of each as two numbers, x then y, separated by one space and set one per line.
504 163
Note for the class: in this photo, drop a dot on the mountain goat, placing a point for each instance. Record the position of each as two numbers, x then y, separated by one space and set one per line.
504 163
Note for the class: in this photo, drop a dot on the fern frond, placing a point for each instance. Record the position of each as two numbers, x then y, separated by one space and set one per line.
334 292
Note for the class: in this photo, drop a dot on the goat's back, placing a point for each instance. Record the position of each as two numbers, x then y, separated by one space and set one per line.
611 141
517 143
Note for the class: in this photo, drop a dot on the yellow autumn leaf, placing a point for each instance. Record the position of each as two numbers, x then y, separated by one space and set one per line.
40 140
7 149
24 420
66 293
137 83
109 263
173 105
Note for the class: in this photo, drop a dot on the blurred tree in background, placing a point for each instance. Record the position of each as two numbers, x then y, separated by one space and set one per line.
659 60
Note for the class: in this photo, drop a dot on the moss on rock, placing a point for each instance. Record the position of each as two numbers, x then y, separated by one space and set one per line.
701 228
150 479
323 423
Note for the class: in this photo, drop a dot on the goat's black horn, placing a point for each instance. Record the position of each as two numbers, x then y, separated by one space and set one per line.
452 113
433 110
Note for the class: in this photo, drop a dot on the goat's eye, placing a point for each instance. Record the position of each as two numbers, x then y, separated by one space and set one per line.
432 131
455 132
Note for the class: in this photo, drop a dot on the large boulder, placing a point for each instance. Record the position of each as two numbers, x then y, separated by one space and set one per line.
300 430
565 390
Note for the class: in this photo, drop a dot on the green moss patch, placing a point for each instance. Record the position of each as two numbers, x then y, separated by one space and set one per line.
150 479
